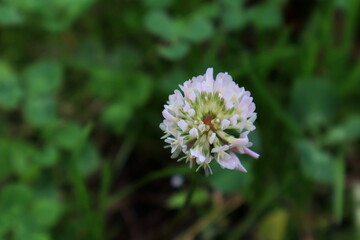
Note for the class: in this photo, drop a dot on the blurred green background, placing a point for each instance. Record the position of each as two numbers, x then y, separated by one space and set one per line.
82 87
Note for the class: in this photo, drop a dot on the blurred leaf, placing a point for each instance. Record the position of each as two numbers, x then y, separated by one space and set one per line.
10 15
157 3
230 181
89 54
197 29
117 116
160 23
313 102
48 157
140 86
5 169
199 197
208 10
174 51
45 212
315 163
234 18
18 199
69 136
266 16
273 226
88 159
14 201
43 77
23 160
106 83
40 111
10 92
348 131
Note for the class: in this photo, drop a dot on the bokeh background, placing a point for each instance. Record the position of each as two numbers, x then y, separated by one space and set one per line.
82 87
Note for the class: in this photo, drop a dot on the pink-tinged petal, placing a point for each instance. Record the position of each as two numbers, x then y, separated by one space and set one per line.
212 138
218 149
238 166
192 96
226 161
209 74
183 125
168 116
251 153
194 132
225 124
239 142
233 119
231 161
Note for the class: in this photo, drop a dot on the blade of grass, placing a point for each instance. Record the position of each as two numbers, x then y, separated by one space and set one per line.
104 190
338 192
81 193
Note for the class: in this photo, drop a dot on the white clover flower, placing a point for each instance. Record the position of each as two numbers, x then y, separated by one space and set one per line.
211 120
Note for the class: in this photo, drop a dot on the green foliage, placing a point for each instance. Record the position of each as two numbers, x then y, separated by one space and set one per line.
10 91
26 215
43 77
82 87
57 15
313 102
161 24
316 164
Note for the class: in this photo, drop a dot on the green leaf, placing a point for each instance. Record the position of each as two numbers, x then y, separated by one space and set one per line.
39 111
313 102
88 160
138 90
230 181
69 136
346 132
10 15
198 29
106 82
43 77
22 159
199 197
234 18
14 201
174 51
45 212
117 116
48 156
10 92
315 163
160 23
266 16
5 169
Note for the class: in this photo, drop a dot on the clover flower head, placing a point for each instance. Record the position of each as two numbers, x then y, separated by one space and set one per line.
210 120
